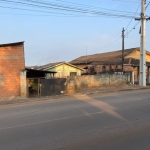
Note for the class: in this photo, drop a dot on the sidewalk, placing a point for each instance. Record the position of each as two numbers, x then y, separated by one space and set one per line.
100 91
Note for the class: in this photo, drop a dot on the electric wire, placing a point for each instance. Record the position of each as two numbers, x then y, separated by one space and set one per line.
106 45
125 30
74 8
132 17
59 7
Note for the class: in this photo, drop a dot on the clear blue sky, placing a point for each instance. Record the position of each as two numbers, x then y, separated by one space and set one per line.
58 37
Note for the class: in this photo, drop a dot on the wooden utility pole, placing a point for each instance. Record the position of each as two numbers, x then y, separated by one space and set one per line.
123 49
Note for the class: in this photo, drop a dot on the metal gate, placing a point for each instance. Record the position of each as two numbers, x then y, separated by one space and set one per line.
53 86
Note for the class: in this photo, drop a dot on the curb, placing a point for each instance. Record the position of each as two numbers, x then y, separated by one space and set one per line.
53 98
114 91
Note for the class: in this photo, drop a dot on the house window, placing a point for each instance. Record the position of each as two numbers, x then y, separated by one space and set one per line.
104 68
73 73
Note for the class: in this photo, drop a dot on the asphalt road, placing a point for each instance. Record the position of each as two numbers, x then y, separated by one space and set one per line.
118 121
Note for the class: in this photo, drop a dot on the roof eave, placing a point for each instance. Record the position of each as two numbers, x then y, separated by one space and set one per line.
61 64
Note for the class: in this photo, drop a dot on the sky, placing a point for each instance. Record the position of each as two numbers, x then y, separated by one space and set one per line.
53 35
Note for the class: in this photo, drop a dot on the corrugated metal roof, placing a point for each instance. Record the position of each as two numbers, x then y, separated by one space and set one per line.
52 65
49 65
35 70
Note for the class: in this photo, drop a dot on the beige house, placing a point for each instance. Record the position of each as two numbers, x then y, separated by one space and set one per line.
62 69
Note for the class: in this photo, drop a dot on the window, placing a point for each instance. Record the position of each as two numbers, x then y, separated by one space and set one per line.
73 73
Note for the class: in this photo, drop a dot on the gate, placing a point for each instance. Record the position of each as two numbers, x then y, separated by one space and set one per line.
53 86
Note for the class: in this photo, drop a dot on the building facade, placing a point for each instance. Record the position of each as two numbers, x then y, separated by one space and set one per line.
62 69
112 62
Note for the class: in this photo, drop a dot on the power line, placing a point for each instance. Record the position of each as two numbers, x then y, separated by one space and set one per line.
125 29
127 1
147 5
36 10
72 7
59 7
109 43
138 22
131 29
132 17
85 15
93 6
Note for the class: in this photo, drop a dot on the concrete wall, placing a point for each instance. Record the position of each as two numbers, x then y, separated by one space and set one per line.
11 63
77 83
23 84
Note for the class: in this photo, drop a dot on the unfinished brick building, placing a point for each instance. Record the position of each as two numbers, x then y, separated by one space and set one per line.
11 63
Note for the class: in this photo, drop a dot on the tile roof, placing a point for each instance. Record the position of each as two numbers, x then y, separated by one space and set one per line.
105 58
127 61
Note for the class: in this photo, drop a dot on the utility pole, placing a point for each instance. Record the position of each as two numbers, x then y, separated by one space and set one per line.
143 45
86 61
123 49
142 70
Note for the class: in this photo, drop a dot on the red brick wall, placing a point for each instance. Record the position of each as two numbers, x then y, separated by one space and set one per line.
11 63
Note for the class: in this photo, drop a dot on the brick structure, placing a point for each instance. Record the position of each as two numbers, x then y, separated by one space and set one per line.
112 62
11 63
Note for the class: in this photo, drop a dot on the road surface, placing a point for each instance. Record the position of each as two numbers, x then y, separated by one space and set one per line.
117 121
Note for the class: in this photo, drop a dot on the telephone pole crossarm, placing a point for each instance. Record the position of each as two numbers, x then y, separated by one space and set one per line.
138 19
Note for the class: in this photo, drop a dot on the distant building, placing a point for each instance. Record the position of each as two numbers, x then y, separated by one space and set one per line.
112 61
